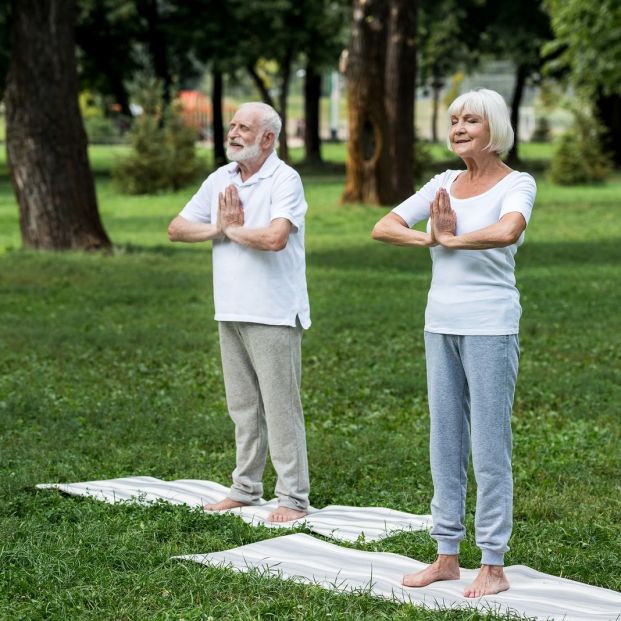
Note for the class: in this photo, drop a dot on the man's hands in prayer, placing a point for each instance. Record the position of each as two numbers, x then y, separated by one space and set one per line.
230 209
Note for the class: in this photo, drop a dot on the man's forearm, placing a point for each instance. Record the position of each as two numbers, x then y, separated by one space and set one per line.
258 239
182 230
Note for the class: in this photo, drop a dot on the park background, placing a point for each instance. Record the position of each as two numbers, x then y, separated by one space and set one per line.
109 363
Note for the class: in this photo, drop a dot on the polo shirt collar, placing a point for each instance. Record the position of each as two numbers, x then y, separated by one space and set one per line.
267 170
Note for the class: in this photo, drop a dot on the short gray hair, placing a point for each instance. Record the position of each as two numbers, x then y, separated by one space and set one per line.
491 106
270 119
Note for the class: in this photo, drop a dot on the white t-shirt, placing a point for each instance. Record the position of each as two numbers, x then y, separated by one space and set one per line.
258 286
473 291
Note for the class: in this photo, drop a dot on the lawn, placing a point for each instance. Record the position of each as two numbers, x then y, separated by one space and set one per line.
109 367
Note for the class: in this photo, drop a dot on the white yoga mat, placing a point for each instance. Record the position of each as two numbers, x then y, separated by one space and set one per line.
340 522
306 559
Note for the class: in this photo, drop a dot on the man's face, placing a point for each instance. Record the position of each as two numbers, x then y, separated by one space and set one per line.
245 137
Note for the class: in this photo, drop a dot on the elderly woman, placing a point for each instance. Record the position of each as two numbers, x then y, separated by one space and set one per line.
475 222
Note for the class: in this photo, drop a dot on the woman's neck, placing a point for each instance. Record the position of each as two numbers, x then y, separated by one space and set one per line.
488 165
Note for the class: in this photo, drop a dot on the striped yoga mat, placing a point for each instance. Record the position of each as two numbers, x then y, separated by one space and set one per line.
306 559
339 522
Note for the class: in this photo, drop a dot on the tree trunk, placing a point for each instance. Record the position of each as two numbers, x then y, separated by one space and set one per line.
285 72
366 59
397 161
381 71
219 154
46 142
265 94
518 92
608 108
312 97
157 46
436 89
285 75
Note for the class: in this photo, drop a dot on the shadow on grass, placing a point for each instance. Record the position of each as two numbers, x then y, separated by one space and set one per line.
375 256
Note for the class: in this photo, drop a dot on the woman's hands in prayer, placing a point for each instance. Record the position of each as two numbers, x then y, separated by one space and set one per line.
443 218
230 212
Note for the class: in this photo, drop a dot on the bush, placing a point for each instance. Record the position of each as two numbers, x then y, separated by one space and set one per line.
163 154
579 156
542 130
101 131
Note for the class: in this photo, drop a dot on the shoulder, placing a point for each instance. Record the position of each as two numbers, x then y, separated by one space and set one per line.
445 178
286 176
522 180
284 171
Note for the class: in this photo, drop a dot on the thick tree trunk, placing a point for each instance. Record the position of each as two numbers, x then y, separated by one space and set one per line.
219 154
381 70
516 102
366 59
46 142
312 97
608 108
397 161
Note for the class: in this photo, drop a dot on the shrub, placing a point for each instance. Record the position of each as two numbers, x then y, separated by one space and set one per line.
579 156
542 131
163 155
101 130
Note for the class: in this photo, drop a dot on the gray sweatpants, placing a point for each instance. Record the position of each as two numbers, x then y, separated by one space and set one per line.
471 384
262 375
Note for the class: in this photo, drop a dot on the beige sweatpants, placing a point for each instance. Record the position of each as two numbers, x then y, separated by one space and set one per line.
262 375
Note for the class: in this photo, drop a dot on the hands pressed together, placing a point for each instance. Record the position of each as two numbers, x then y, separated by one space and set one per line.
443 218
230 212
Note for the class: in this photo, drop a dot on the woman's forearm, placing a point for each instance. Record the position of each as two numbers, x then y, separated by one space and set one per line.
504 233
392 229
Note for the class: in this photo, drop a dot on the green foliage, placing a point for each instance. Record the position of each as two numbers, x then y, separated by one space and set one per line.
542 130
587 43
163 151
101 130
579 157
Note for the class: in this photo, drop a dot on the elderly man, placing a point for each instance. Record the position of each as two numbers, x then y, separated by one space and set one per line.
253 210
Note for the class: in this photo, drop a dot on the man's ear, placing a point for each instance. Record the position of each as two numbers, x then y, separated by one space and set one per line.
268 139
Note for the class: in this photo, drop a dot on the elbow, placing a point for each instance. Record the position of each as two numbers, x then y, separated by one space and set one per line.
172 232
379 232
277 244
511 237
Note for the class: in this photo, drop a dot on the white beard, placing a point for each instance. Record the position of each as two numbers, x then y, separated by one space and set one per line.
248 152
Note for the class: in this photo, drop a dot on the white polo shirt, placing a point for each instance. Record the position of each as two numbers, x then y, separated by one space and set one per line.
258 286
473 291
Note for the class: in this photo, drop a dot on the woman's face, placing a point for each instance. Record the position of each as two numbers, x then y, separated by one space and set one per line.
469 134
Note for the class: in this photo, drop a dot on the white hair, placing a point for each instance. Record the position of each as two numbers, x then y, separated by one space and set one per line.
491 106
270 119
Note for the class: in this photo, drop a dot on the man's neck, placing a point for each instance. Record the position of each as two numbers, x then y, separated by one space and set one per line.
250 167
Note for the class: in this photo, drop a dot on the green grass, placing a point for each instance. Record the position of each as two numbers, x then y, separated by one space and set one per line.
109 367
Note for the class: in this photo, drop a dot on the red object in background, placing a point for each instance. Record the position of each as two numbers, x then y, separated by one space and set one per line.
196 109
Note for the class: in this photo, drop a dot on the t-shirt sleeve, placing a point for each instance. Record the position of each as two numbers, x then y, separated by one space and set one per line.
198 208
416 208
521 197
288 199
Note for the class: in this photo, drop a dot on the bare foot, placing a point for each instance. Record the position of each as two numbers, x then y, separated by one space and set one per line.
490 580
223 505
285 514
445 567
